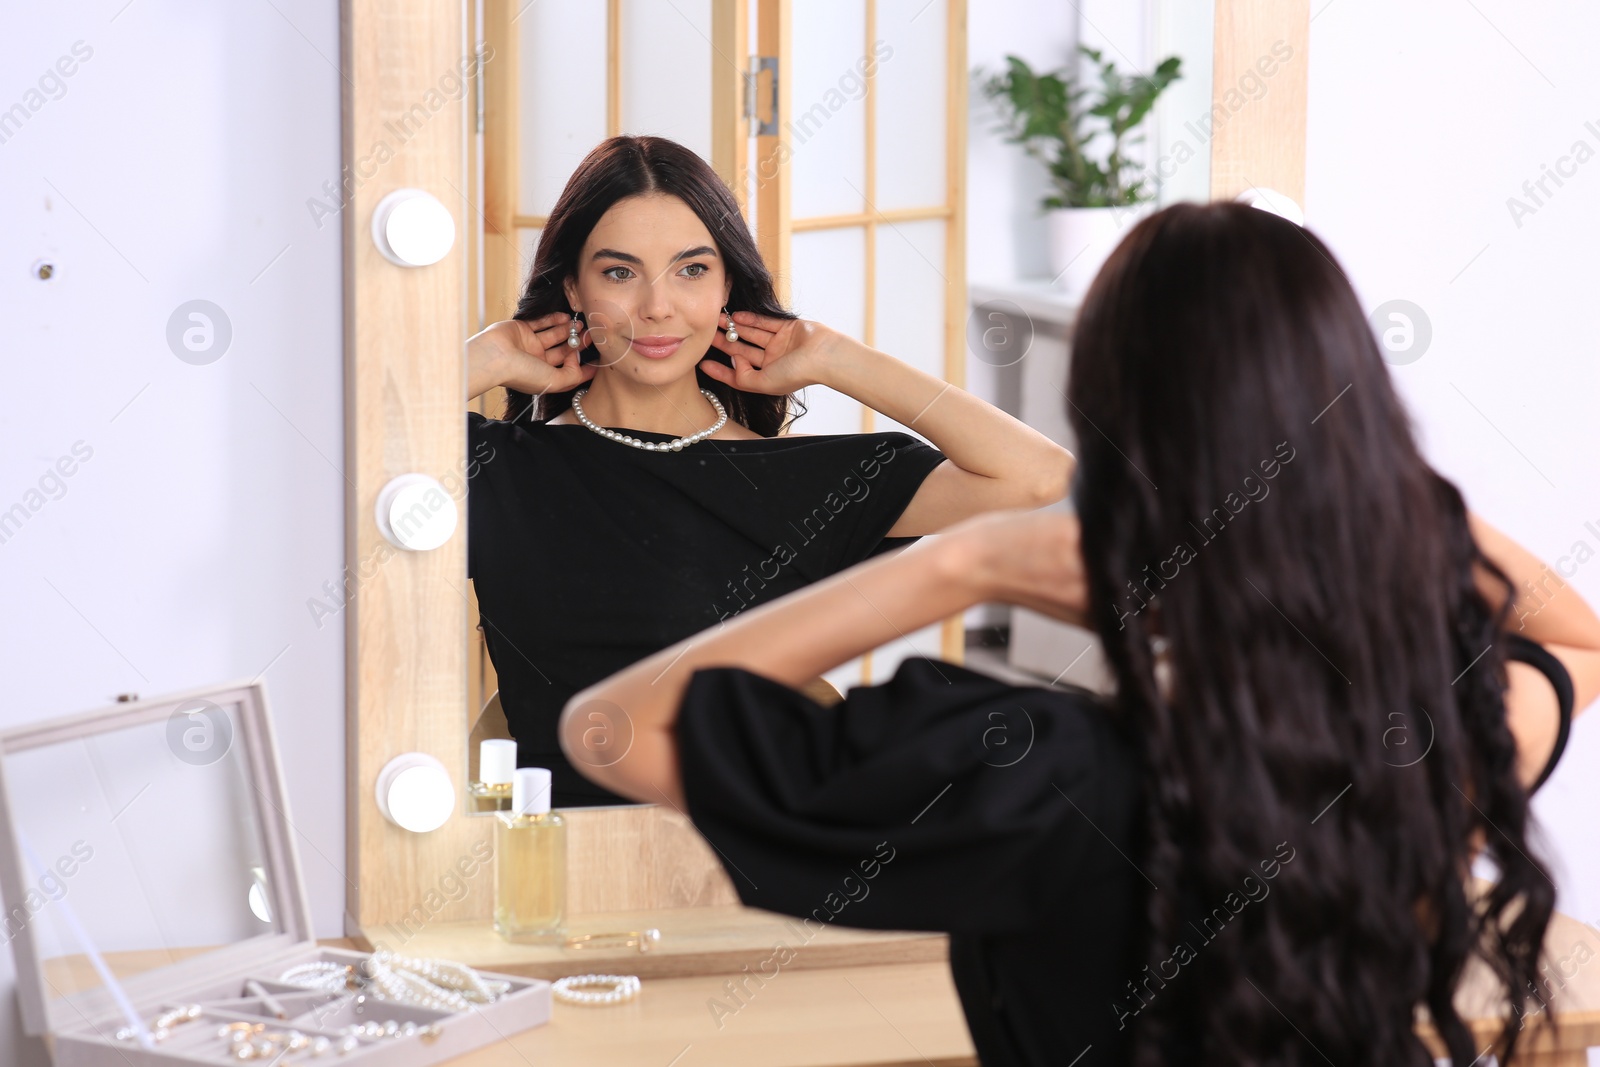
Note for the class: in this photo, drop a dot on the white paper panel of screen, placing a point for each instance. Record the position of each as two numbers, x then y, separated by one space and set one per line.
527 248
1183 159
911 292
909 97
828 283
827 110
666 71
562 81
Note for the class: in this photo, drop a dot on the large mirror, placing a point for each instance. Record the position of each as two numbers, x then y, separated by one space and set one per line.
863 222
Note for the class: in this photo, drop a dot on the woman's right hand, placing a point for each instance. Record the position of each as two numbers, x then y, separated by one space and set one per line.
532 357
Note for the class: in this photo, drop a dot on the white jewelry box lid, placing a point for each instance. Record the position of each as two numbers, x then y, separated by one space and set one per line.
160 827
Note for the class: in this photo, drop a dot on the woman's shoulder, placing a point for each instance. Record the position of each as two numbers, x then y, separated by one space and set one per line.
928 704
995 796
869 450
478 422
503 448
478 418
868 436
933 690
480 425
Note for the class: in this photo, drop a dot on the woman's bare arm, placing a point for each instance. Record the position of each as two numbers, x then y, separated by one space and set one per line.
993 461
1030 558
1548 610
790 640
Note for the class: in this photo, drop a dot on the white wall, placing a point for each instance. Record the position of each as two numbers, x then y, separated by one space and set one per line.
174 164
1424 120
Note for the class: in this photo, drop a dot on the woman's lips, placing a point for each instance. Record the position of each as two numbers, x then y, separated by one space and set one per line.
658 347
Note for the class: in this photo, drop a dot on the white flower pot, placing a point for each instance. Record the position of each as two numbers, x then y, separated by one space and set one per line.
1082 237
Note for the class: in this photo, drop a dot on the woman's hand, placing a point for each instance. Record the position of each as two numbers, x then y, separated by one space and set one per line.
1031 558
774 356
532 357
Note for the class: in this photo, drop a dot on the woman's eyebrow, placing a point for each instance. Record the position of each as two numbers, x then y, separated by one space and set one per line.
688 253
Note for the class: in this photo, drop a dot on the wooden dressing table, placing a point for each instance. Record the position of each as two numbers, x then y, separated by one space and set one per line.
888 1014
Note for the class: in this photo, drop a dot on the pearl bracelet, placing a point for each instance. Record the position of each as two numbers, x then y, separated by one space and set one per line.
623 987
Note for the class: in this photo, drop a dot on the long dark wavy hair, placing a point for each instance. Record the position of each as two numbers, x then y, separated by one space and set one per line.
625 166
1336 676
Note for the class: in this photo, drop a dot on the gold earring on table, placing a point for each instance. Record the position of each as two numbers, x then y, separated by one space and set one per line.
572 331
732 332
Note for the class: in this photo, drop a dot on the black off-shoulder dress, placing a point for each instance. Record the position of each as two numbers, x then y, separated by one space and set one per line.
944 799
588 555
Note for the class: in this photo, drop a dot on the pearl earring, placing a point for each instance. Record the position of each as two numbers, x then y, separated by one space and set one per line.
572 332
732 332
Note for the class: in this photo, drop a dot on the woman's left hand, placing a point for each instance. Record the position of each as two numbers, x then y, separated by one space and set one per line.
774 356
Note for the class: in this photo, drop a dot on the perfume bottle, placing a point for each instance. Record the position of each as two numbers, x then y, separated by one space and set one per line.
530 862
497 760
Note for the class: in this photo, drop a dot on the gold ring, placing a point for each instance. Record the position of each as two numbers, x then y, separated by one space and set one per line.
644 939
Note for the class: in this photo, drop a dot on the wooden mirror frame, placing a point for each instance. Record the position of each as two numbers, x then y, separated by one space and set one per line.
411 685
404 383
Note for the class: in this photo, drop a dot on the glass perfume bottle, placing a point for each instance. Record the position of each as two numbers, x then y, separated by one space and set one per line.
530 862
497 761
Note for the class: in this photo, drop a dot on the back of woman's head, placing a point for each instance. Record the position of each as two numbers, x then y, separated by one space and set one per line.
1331 745
625 166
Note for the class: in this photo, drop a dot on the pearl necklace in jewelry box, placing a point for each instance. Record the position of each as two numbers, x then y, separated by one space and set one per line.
675 445
426 983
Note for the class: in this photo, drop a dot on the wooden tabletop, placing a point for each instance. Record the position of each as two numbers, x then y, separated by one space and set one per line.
892 1015
716 939
908 1013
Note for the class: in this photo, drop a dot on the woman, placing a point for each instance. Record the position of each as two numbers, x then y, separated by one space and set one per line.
637 488
1257 851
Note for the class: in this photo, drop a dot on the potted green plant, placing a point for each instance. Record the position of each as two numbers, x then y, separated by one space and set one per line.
1082 140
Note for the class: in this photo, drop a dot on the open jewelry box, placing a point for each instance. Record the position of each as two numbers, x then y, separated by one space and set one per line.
148 863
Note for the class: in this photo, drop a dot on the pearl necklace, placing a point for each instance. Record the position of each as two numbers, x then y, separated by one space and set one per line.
425 983
675 445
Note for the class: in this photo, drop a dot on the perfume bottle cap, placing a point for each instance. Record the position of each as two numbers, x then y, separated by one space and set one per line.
497 760
530 791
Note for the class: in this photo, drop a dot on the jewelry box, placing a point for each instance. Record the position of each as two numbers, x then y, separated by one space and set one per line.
148 864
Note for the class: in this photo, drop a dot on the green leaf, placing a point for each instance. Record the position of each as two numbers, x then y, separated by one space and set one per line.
1080 138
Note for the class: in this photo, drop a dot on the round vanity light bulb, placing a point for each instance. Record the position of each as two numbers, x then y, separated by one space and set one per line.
258 904
415 792
1275 202
258 895
412 228
415 513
